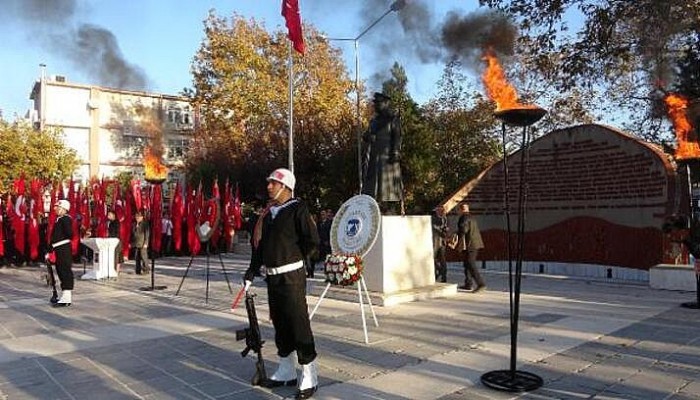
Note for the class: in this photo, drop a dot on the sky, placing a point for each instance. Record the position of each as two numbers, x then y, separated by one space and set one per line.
152 42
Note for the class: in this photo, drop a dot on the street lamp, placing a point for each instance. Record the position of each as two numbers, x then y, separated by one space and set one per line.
395 6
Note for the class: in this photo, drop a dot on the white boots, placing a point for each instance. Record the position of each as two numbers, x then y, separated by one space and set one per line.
65 300
309 381
286 374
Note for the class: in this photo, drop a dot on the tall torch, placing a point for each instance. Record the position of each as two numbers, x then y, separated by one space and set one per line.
680 112
513 113
155 173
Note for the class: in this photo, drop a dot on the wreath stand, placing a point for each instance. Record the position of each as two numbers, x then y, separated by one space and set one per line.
360 286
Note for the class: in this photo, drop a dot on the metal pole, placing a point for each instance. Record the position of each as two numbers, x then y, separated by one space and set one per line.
359 118
396 6
290 64
42 97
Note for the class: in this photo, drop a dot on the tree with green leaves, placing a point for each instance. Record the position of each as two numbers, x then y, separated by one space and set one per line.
466 138
34 153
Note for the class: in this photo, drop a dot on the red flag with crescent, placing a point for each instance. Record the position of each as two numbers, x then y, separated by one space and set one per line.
177 211
292 17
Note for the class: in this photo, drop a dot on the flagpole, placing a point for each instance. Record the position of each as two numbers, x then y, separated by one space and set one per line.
291 108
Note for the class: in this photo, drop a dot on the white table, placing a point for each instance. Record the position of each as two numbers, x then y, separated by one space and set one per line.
103 258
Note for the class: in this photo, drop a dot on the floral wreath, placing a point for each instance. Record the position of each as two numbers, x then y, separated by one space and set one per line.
343 269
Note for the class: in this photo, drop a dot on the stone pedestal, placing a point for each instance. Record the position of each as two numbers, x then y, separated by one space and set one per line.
103 258
673 277
399 267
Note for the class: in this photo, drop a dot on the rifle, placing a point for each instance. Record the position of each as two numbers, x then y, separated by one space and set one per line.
52 282
253 340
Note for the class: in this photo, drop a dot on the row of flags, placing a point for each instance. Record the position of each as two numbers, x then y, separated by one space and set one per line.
89 203
24 208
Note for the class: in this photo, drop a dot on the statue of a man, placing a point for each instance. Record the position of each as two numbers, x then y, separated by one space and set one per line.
381 171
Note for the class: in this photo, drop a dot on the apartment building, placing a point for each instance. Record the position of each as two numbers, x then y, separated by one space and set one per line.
110 128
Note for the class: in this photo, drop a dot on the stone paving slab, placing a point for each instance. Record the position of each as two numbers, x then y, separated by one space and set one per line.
586 339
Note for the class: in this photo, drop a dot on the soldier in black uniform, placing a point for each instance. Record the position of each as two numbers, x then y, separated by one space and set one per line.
283 237
61 246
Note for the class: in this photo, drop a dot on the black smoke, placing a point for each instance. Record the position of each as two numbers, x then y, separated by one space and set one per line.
56 26
424 38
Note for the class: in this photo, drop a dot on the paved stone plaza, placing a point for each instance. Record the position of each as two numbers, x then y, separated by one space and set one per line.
586 339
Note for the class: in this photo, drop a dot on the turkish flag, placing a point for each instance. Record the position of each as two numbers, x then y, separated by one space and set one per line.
237 214
136 193
33 237
292 17
156 218
99 191
2 237
125 223
55 195
227 216
176 214
192 213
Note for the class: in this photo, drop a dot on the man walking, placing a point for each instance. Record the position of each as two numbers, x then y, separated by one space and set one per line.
469 244
139 241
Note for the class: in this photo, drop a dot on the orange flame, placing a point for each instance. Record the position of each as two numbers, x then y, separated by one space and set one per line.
497 87
677 110
153 167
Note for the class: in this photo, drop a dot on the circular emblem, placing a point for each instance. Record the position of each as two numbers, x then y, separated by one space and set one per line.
356 226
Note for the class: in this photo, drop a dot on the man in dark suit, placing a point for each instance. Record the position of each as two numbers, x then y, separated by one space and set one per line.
470 242
139 241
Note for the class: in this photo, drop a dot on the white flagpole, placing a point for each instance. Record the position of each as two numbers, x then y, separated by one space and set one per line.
291 108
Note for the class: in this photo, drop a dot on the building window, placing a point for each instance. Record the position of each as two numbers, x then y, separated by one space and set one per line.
173 115
132 146
177 148
186 116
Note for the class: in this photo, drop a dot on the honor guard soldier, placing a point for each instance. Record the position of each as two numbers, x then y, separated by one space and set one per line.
61 246
283 237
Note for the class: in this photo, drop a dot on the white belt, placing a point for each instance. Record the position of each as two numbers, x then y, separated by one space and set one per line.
60 243
285 268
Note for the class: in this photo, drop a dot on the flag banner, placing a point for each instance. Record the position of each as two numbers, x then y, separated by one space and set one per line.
292 17
156 218
176 214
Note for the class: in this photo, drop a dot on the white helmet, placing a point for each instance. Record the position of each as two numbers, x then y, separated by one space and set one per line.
64 204
283 176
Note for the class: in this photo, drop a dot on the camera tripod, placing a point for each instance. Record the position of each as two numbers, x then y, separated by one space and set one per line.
223 268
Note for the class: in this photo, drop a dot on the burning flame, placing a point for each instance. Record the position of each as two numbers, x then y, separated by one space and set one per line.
153 167
687 147
497 87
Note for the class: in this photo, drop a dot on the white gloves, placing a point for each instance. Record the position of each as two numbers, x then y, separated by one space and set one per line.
247 284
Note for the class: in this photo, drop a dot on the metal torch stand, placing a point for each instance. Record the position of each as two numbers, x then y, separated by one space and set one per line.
696 267
512 380
153 277
153 286
187 270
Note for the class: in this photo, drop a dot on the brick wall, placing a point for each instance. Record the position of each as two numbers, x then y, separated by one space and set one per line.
593 195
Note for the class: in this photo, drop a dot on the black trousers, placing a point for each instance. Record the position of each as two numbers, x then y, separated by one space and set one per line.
470 268
290 315
440 263
64 266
